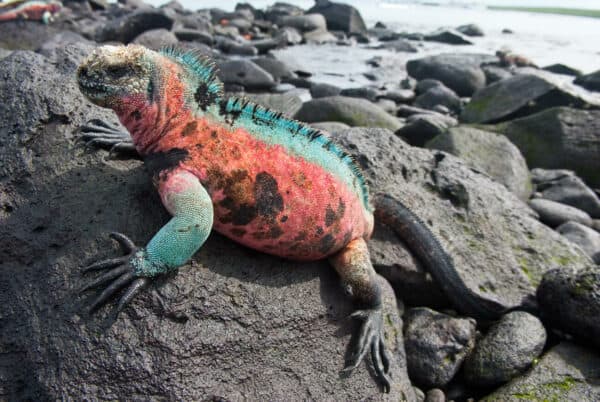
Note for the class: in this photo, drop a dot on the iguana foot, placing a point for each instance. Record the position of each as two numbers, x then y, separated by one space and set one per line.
370 337
120 274
98 133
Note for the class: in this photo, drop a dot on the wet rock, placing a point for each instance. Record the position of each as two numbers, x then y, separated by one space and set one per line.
567 372
470 30
281 9
495 73
242 24
439 95
420 128
194 35
426 84
352 111
563 69
126 28
490 153
449 36
569 300
286 103
554 213
399 95
339 16
564 187
408 110
521 95
322 90
384 34
460 72
231 46
589 81
156 39
241 314
368 93
330 126
507 350
436 345
278 69
267 44
304 23
435 395
400 45
246 74
586 238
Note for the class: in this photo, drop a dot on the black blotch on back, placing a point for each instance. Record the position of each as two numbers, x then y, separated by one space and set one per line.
269 202
158 162
326 243
204 98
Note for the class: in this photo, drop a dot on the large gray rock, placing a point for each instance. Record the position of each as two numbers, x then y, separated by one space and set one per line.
245 73
449 36
421 128
330 126
128 27
498 246
439 95
567 372
339 16
490 153
569 300
508 349
470 30
287 103
586 238
352 111
589 81
558 138
460 72
156 39
248 326
323 90
554 213
304 23
278 69
521 95
436 345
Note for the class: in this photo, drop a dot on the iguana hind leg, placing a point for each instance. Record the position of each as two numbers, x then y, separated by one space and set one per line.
98 133
359 279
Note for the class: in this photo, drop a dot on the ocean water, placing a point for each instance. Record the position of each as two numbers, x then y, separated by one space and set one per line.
544 38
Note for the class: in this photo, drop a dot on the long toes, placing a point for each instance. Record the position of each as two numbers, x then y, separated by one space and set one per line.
111 289
106 277
380 369
125 242
112 262
131 291
362 347
385 356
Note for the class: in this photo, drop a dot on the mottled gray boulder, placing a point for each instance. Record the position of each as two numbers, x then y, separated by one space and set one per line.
245 73
554 213
426 84
339 16
436 345
521 95
156 39
460 72
569 300
439 95
487 152
449 36
352 111
567 372
586 238
278 69
470 30
495 73
558 138
507 350
128 27
240 314
323 90
304 23
330 126
287 103
498 246
367 93
589 81
399 95
421 128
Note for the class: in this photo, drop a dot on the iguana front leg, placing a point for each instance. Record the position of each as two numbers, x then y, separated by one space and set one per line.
98 133
353 264
173 245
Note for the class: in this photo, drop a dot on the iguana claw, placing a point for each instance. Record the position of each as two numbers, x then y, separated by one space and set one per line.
121 274
98 133
370 338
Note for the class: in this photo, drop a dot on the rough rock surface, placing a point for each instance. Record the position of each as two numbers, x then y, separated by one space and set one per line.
507 350
586 238
439 95
487 152
330 126
558 138
554 213
460 72
352 111
518 96
156 39
569 299
498 246
436 345
250 326
567 372
420 128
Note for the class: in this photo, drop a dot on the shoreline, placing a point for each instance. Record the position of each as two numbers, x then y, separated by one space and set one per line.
574 12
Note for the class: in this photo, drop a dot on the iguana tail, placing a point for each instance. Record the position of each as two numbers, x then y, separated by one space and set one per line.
425 246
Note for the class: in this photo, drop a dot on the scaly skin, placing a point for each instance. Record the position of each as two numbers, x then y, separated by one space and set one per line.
29 10
261 179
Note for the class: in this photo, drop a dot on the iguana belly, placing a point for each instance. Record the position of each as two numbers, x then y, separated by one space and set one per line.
270 200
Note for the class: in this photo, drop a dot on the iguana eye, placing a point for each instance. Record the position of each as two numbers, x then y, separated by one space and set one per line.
118 71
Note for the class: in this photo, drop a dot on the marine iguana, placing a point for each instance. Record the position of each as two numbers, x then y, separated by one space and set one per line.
263 180
29 10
